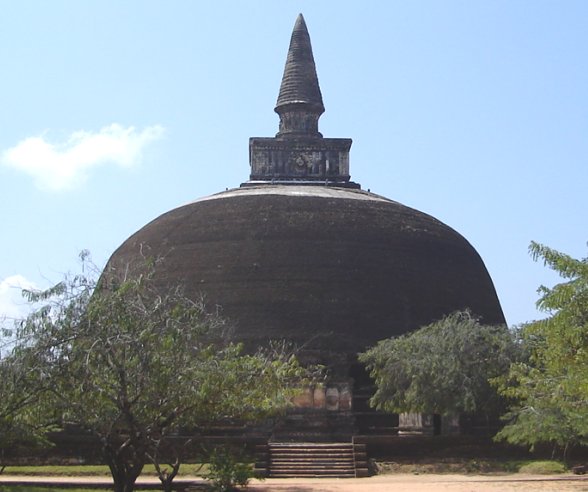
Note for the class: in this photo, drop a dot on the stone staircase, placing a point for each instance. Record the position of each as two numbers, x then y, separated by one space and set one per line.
304 459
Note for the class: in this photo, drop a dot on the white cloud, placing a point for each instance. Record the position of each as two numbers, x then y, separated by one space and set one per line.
12 304
61 166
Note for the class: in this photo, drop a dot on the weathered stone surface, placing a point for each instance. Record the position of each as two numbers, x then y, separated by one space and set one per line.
332 269
326 266
304 399
332 397
300 102
274 159
345 398
319 397
299 154
416 424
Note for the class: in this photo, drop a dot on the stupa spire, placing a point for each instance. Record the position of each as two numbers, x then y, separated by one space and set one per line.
300 102
298 154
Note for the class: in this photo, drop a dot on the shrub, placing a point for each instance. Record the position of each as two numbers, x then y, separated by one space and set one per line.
227 471
542 467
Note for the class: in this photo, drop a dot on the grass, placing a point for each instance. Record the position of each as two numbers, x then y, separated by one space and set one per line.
20 488
61 471
471 466
542 467
91 470
459 466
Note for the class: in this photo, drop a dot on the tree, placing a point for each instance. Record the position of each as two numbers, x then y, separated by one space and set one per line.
130 364
442 368
21 425
550 390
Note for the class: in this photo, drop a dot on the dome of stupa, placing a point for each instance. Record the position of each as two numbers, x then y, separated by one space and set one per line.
330 268
299 252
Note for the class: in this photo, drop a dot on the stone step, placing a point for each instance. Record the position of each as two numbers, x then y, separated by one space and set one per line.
307 459
310 445
311 457
312 475
311 451
302 452
324 467
304 446
313 462
308 466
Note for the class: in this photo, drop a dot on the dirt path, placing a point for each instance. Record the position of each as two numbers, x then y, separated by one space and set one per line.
380 483
429 483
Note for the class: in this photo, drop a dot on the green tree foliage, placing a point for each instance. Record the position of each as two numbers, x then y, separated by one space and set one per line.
442 368
550 391
22 423
130 364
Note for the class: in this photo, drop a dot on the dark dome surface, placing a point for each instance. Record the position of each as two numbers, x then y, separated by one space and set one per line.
332 268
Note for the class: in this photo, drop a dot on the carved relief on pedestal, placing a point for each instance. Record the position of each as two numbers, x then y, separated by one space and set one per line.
332 398
304 399
345 398
335 397
320 398
308 159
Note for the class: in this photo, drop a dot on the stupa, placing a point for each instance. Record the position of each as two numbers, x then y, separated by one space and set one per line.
299 252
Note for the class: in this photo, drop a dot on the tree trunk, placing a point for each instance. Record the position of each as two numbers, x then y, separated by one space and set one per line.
566 453
168 478
124 476
124 467
165 477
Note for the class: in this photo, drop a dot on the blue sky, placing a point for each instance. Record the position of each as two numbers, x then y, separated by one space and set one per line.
112 113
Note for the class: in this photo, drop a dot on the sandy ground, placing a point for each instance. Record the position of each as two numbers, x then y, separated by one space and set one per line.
380 483
429 483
